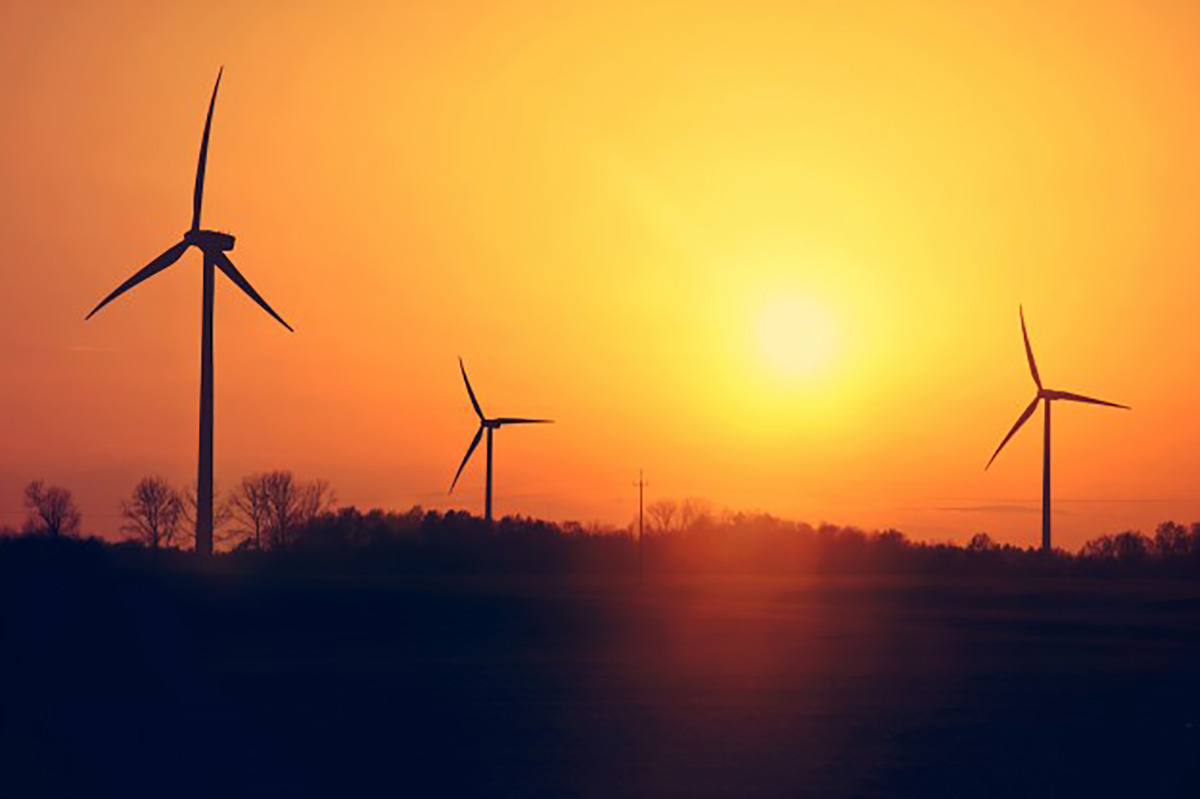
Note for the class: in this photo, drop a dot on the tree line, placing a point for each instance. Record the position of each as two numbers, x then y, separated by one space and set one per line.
264 511
275 518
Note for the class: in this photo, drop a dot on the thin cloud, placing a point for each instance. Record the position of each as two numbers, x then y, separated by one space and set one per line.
87 348
989 509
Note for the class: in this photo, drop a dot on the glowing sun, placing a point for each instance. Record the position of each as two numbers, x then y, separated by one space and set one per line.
796 336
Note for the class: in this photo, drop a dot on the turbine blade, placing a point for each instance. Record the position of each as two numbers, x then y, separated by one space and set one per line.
1067 395
1029 351
1024 417
470 393
198 197
225 265
467 457
515 420
149 270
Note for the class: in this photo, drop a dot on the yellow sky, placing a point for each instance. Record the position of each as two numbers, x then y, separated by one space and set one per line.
772 252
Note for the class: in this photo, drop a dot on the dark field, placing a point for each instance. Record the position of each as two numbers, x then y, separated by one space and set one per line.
124 683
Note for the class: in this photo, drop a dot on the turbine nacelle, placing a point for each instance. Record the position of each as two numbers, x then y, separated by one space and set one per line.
210 240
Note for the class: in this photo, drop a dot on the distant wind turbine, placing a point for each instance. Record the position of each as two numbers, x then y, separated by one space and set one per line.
213 245
490 425
1047 395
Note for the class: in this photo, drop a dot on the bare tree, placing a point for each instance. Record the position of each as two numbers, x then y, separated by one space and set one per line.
52 512
154 515
695 512
271 508
292 504
248 507
661 513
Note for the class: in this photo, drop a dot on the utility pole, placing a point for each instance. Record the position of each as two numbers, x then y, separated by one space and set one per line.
641 487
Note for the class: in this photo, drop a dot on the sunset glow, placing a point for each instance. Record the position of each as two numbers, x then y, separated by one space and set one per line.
772 253
796 336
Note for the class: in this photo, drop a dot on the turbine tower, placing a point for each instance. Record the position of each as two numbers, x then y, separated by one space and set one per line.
1046 395
213 245
490 425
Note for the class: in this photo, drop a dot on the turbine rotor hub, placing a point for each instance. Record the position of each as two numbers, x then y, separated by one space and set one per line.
210 240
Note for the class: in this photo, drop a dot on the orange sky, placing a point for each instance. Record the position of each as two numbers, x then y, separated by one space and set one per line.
772 252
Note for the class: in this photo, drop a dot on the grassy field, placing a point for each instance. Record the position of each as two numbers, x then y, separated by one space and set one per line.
124 683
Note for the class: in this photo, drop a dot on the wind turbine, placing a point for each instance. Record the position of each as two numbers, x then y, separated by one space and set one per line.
490 425
1046 395
213 245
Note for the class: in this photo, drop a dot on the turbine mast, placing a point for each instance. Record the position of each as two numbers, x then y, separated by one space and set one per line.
204 474
204 470
487 497
1046 480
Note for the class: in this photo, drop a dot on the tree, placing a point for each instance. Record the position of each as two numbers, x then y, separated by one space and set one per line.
1172 539
271 508
1133 547
248 506
154 514
292 503
661 513
1130 547
1101 548
982 542
52 512
695 512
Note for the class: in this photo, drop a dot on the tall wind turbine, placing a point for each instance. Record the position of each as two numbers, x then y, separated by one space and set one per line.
1046 395
213 245
490 425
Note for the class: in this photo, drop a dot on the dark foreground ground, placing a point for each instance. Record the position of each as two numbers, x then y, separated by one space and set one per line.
122 684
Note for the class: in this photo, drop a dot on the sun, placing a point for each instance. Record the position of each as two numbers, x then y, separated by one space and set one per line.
796 336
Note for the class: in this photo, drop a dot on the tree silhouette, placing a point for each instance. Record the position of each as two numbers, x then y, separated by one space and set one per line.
1129 548
248 507
695 512
1173 540
661 513
154 513
271 508
52 512
982 542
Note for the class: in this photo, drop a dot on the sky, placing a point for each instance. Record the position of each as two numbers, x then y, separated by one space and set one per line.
772 253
